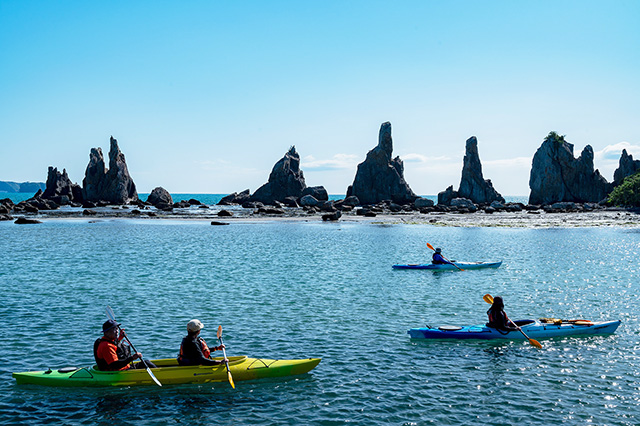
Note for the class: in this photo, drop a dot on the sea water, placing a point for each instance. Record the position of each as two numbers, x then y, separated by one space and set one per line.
311 289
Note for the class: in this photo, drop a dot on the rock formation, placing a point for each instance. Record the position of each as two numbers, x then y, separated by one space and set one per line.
160 198
235 198
286 180
60 189
557 176
626 167
379 177
113 185
472 184
317 192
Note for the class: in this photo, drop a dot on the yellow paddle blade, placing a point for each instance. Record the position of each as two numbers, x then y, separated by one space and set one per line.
535 343
231 378
219 331
431 247
488 298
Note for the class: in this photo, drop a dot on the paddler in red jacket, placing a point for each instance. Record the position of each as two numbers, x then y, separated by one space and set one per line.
110 353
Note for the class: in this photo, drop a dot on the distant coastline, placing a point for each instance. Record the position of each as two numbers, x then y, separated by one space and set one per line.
21 187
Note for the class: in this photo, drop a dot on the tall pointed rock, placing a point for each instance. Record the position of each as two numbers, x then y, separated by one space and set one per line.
379 177
472 185
286 180
626 167
113 185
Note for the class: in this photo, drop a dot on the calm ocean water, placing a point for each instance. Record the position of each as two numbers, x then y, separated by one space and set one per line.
312 289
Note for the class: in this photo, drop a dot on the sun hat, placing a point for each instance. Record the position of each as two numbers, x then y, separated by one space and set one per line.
194 325
438 250
108 325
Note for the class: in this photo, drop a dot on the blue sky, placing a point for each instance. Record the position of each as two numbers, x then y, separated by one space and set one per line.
205 97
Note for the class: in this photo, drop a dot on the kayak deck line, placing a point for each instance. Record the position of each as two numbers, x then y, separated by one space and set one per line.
169 372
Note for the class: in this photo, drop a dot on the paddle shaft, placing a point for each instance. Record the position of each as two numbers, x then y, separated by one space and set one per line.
226 362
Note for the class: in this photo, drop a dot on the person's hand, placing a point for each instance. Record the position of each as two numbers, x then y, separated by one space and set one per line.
137 355
225 360
221 347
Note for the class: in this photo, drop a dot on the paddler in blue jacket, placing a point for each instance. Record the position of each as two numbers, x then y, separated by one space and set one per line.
438 259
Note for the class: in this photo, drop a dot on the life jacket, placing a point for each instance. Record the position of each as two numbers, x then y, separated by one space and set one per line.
497 319
437 259
205 349
122 351
206 352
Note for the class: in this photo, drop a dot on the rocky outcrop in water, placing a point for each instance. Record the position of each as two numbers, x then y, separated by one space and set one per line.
317 192
113 185
60 189
626 167
379 177
472 185
160 198
235 198
557 176
286 180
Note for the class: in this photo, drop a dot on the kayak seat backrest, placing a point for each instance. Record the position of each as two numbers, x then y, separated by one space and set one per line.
520 323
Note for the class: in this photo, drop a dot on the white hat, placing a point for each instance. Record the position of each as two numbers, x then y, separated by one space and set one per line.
194 325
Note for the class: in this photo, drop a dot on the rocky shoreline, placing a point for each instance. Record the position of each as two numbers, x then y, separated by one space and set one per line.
383 214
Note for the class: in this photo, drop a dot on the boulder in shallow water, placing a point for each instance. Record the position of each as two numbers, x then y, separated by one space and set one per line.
158 196
26 221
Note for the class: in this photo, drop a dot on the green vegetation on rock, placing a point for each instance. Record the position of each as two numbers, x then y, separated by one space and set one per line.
627 194
554 136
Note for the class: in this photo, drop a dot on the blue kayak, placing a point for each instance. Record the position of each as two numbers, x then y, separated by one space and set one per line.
448 267
533 328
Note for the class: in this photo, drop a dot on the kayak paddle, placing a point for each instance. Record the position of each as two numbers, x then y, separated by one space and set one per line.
431 247
489 299
112 316
225 357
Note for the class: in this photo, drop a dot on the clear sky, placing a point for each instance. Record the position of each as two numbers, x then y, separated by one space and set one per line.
206 96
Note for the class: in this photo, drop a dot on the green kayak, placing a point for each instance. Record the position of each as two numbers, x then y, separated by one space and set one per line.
169 372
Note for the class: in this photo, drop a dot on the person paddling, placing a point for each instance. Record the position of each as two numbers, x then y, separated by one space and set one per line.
438 259
498 318
194 350
110 352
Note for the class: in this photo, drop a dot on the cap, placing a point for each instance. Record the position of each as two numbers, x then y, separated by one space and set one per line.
438 250
194 325
108 325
